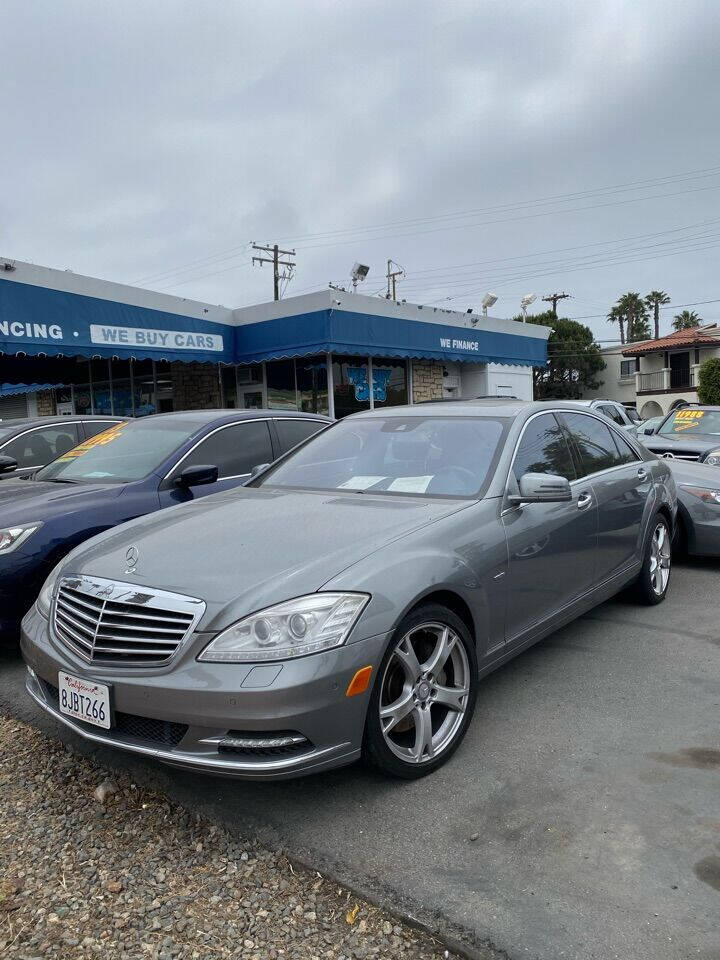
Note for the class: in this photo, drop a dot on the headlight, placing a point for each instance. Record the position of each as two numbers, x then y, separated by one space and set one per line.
45 597
292 629
12 537
713 458
706 494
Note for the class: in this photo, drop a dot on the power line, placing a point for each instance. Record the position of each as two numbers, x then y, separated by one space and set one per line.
554 298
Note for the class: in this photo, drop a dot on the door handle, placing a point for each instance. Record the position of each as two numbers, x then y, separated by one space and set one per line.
584 501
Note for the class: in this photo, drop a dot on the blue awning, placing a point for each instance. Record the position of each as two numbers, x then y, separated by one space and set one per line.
345 332
39 320
15 389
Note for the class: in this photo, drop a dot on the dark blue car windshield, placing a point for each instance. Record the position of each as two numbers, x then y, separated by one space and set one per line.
126 452
425 456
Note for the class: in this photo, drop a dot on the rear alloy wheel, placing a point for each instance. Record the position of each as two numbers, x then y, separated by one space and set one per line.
424 695
655 575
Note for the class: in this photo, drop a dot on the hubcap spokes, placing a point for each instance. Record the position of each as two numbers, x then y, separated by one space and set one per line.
424 692
660 559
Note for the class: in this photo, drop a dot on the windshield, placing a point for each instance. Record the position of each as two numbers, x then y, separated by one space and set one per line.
690 420
431 456
126 452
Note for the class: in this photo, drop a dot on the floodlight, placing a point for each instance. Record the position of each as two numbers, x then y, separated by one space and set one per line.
528 299
359 271
489 300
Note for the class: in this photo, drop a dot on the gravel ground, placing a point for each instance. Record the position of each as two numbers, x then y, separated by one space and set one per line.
137 877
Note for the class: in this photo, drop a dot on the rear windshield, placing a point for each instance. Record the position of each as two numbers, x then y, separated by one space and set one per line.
422 456
689 420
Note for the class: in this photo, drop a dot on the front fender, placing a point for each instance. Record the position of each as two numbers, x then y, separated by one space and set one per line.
405 581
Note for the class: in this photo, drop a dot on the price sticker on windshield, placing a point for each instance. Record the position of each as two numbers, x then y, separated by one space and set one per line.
99 440
686 418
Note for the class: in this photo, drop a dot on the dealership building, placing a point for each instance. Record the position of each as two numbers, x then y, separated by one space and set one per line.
71 344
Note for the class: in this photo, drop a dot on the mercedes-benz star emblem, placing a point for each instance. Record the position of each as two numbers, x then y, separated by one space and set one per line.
668 456
131 558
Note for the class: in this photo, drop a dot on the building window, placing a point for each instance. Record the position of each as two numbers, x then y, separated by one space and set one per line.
229 387
312 383
351 385
628 368
389 379
281 387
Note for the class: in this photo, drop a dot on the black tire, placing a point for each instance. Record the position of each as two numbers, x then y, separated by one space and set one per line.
395 675
652 585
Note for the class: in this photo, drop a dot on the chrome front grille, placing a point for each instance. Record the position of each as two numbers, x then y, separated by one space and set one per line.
104 621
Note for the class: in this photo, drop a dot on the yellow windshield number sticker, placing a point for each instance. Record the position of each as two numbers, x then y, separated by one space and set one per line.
686 418
99 440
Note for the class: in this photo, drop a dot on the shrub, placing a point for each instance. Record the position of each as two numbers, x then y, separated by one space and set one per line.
709 382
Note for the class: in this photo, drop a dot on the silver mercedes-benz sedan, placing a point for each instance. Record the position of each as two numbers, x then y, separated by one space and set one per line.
349 601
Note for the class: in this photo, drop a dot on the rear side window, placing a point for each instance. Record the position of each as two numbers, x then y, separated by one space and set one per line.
544 449
293 432
94 427
613 413
234 450
594 443
38 447
625 451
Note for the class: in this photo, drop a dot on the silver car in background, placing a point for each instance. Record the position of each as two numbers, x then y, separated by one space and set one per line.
349 601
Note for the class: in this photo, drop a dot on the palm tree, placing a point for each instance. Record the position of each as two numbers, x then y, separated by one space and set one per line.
686 320
654 300
616 316
630 312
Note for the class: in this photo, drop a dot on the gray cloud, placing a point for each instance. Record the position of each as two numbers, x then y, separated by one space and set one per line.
140 137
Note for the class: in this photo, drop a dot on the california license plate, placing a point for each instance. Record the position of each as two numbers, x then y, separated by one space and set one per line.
84 700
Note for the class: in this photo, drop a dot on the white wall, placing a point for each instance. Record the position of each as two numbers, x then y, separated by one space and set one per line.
612 385
496 379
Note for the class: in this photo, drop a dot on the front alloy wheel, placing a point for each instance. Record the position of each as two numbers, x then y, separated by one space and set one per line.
424 695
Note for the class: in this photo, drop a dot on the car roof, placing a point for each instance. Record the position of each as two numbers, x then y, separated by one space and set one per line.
210 416
23 423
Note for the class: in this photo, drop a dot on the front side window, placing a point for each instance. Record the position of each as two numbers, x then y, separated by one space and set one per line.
126 452
543 448
594 443
38 447
234 450
433 456
689 420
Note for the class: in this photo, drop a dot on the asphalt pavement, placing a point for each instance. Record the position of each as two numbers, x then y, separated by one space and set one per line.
580 818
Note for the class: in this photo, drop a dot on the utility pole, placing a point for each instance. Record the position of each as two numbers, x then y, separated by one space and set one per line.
553 299
392 276
276 262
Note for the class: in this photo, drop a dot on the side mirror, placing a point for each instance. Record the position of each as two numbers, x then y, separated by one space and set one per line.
198 476
258 468
542 488
7 464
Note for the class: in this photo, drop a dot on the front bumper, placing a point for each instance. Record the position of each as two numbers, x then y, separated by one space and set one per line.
195 715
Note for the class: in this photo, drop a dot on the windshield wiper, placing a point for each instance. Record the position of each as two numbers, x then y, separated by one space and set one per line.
59 480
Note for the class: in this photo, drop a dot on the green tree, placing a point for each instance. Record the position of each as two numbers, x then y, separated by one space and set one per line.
653 301
686 320
709 382
574 359
632 310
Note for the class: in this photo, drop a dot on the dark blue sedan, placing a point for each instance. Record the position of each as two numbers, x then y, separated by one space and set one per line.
134 468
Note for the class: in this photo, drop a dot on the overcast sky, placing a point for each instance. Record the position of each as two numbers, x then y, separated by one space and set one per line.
153 141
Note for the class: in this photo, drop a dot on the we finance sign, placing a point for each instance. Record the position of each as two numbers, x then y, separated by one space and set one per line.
153 339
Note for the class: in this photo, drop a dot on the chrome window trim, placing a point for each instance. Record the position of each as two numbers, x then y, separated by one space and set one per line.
584 413
224 426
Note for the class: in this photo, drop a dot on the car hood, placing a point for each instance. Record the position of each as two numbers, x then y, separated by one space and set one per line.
699 474
679 444
243 550
22 500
